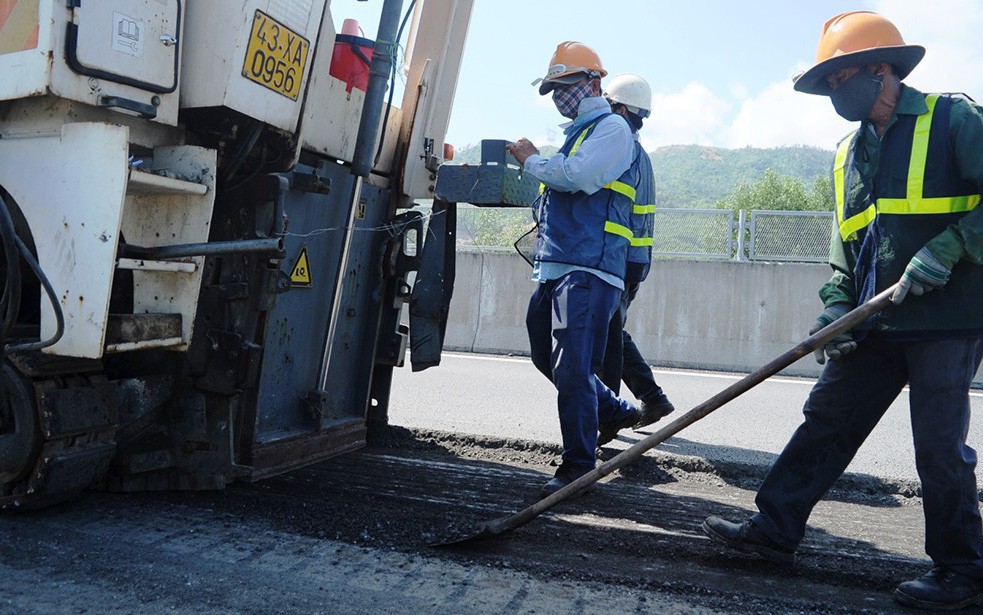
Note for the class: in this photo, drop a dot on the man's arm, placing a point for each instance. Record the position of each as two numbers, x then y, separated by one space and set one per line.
600 159
841 287
964 240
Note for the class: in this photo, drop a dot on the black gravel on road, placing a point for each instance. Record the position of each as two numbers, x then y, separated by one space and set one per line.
633 543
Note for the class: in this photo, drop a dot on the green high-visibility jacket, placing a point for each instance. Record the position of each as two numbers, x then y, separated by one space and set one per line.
921 181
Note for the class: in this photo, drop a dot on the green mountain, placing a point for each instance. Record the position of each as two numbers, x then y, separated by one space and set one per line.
699 176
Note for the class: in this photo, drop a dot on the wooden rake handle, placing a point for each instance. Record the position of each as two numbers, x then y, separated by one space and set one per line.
810 344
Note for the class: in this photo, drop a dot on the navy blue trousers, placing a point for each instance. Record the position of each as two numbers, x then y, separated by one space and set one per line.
622 359
847 402
567 322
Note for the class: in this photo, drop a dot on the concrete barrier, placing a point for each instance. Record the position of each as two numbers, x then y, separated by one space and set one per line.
730 316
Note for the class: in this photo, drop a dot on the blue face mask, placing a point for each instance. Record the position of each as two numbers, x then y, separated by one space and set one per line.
854 98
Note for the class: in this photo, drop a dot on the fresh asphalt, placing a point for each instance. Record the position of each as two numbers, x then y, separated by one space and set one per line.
506 397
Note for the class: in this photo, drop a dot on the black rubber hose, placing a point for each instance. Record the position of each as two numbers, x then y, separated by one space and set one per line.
10 302
52 297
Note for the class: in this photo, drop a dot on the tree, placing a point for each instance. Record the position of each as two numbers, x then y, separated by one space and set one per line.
821 195
780 192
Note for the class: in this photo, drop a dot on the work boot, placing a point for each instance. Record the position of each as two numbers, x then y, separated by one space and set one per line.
654 410
609 431
565 474
748 538
941 589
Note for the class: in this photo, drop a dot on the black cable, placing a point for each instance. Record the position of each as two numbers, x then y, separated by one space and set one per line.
59 316
392 82
10 302
245 146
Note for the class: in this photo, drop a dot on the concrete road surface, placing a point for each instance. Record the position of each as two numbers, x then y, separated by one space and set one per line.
507 397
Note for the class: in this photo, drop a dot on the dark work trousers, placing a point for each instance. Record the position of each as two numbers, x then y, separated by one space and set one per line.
567 322
622 359
847 402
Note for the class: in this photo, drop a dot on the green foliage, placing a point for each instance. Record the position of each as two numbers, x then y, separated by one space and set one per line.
698 176
821 195
780 192
490 226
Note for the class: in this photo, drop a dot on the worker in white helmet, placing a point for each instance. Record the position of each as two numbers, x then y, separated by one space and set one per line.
631 97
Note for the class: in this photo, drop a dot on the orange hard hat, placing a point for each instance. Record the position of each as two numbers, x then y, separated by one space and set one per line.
571 62
857 38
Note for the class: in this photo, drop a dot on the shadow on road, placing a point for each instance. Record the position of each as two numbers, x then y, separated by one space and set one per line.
680 454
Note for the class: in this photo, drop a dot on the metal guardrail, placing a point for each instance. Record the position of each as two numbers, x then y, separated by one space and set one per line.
712 234
789 235
694 233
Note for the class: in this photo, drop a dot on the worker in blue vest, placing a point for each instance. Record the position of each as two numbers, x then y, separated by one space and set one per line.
906 184
630 96
581 252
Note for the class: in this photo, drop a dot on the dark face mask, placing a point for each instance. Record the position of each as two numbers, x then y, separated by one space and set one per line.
854 98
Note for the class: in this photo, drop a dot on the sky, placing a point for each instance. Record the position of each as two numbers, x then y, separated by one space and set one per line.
720 70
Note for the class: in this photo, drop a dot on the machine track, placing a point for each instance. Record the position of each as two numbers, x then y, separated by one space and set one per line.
72 442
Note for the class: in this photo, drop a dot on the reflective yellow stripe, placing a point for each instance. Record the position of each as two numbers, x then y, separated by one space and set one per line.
919 150
936 205
913 203
542 187
617 229
643 241
580 139
839 189
617 186
849 228
621 188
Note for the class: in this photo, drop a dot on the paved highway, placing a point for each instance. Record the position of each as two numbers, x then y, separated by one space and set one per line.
507 397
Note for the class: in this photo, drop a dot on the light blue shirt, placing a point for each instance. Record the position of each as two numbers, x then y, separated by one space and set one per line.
601 158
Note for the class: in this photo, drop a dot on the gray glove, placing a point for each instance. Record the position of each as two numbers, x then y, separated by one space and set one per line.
923 274
840 345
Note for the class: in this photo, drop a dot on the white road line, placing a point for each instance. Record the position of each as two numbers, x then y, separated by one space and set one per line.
681 372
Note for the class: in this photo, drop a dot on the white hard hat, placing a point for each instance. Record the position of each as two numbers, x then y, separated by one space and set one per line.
631 91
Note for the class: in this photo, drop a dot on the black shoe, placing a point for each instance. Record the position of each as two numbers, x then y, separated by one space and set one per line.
654 410
748 538
565 475
609 431
941 588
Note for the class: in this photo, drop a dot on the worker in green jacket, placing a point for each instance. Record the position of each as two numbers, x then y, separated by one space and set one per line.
907 187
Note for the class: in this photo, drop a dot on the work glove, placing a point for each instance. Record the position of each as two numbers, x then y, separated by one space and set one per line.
923 274
840 345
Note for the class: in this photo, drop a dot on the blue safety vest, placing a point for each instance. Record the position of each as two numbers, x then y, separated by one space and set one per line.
587 230
642 220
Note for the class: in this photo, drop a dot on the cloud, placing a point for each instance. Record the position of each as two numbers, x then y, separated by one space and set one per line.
950 33
781 116
775 117
693 115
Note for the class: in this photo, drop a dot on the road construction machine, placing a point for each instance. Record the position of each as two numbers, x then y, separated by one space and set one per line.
211 259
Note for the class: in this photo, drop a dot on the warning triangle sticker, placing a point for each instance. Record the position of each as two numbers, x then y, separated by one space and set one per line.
300 277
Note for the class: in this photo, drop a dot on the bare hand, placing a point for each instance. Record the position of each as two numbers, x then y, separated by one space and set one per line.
522 149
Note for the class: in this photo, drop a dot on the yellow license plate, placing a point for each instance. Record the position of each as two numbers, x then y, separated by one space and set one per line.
276 56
